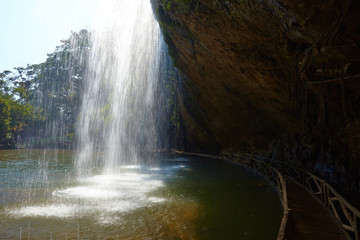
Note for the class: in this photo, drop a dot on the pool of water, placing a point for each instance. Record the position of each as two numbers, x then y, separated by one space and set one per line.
40 198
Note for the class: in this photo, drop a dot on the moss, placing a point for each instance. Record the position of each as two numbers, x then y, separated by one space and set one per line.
184 3
171 47
163 18
180 6
166 24
187 6
168 6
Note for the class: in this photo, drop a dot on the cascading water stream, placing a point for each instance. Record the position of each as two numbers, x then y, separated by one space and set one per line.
110 187
117 121
118 124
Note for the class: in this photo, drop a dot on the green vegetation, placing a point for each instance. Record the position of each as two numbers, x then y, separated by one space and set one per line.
172 84
16 109
40 104
183 6
42 100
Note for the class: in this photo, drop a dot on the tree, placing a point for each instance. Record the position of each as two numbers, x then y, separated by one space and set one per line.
42 100
58 84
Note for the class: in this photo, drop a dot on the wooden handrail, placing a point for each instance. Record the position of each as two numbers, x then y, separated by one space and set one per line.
347 215
272 175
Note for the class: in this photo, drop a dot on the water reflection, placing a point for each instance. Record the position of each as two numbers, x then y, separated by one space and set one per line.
178 199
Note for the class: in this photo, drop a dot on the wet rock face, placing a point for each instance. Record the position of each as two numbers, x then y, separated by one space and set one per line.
259 70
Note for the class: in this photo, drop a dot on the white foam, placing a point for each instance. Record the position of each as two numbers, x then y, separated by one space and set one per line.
131 167
101 196
88 192
156 199
154 169
60 211
179 166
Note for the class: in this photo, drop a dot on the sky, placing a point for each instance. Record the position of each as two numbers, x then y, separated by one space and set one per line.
30 29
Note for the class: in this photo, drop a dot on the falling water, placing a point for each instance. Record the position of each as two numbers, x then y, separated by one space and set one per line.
118 122
119 125
114 192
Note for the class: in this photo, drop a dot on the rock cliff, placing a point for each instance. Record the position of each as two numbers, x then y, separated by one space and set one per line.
276 76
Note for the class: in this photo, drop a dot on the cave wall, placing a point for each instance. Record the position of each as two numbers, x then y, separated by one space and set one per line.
266 73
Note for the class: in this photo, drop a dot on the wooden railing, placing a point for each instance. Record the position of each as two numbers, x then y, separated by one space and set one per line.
272 175
347 215
276 172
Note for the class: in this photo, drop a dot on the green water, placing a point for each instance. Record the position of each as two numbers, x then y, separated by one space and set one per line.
40 198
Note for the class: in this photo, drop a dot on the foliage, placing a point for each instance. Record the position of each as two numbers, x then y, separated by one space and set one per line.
40 103
42 99
16 111
171 100
58 84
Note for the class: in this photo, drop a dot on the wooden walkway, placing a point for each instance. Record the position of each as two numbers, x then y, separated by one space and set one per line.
308 218
313 210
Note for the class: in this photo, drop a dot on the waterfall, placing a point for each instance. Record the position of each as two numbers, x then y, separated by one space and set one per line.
120 128
119 119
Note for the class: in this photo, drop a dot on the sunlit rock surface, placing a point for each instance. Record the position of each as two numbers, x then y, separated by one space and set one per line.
260 73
